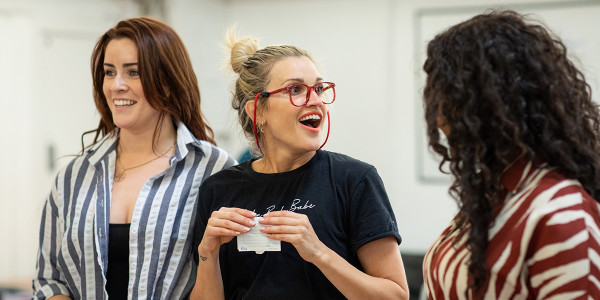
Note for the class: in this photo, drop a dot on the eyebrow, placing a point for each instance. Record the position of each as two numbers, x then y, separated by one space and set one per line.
300 80
124 65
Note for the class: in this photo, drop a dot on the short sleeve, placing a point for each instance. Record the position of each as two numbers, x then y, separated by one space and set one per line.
370 212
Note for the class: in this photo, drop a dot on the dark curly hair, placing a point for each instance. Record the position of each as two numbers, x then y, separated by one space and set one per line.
506 89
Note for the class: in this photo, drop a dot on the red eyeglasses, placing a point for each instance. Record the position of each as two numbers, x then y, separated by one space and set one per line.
299 96
300 93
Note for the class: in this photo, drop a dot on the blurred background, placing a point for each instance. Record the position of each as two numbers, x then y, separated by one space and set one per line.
372 50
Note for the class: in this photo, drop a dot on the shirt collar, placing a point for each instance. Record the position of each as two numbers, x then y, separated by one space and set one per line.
185 138
108 144
516 174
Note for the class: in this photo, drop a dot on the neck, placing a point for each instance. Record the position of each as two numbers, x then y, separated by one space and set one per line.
141 142
281 162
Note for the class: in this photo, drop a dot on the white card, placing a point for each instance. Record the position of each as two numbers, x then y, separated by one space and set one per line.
257 241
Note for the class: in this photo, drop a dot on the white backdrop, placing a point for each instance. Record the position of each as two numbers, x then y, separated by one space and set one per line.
575 22
371 49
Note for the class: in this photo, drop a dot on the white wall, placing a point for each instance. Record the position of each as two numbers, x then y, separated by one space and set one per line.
369 48
45 102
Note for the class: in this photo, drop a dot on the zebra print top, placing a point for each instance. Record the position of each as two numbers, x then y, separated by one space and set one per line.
543 244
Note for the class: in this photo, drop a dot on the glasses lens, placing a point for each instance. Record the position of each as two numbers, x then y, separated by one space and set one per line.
325 92
298 94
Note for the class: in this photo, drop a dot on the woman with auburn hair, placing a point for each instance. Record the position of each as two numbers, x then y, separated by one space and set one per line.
323 219
524 149
117 221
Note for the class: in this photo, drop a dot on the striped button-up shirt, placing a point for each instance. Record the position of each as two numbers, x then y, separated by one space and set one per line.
543 244
73 254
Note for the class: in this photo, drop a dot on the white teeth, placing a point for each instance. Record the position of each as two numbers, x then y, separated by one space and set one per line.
124 102
310 117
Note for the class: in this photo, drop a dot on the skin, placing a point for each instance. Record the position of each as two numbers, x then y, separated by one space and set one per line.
59 297
289 145
137 122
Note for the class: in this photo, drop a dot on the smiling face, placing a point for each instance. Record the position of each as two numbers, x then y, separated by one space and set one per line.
123 90
287 128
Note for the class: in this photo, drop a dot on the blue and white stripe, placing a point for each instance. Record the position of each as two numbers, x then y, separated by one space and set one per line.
72 258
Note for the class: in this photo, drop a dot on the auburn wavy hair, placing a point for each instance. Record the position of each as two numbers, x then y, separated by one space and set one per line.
168 78
506 88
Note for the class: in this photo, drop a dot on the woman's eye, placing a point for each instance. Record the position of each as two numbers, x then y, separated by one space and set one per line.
134 73
297 89
319 89
109 73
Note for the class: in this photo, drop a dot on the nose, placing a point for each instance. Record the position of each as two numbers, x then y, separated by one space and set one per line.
312 98
119 83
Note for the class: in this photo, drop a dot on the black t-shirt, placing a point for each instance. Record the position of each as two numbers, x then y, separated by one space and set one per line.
344 199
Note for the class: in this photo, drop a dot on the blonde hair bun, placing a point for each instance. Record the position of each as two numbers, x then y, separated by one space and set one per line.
241 49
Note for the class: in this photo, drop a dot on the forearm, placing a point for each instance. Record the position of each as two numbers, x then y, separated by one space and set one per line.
209 284
355 284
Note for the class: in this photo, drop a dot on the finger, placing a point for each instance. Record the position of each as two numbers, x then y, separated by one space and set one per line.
290 238
283 229
282 213
284 219
279 237
219 231
234 216
241 211
228 224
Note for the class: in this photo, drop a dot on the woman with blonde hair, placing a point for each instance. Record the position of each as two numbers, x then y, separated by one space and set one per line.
326 215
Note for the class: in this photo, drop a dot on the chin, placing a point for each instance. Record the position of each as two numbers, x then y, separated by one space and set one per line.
312 146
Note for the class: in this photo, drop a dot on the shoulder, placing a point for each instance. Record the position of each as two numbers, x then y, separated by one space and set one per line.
229 175
215 157
95 154
551 197
216 154
548 185
82 170
564 219
342 164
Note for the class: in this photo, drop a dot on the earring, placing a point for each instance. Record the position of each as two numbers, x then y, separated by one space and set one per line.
261 127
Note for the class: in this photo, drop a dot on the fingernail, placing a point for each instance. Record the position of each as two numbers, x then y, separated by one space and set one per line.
252 223
247 229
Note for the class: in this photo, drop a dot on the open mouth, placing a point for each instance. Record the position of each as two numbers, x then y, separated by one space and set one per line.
121 103
311 120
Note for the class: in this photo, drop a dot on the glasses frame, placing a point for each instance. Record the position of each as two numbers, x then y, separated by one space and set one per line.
308 92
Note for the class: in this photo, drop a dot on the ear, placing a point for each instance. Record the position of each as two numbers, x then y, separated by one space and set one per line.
249 108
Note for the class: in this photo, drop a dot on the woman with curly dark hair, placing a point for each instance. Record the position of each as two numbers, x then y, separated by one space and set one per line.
524 150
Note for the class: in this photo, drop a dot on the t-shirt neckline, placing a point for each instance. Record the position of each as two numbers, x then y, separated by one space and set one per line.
247 167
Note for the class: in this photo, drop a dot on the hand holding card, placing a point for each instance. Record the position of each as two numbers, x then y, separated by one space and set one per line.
255 240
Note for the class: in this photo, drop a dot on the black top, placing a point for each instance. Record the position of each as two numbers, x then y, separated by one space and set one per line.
117 273
344 199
